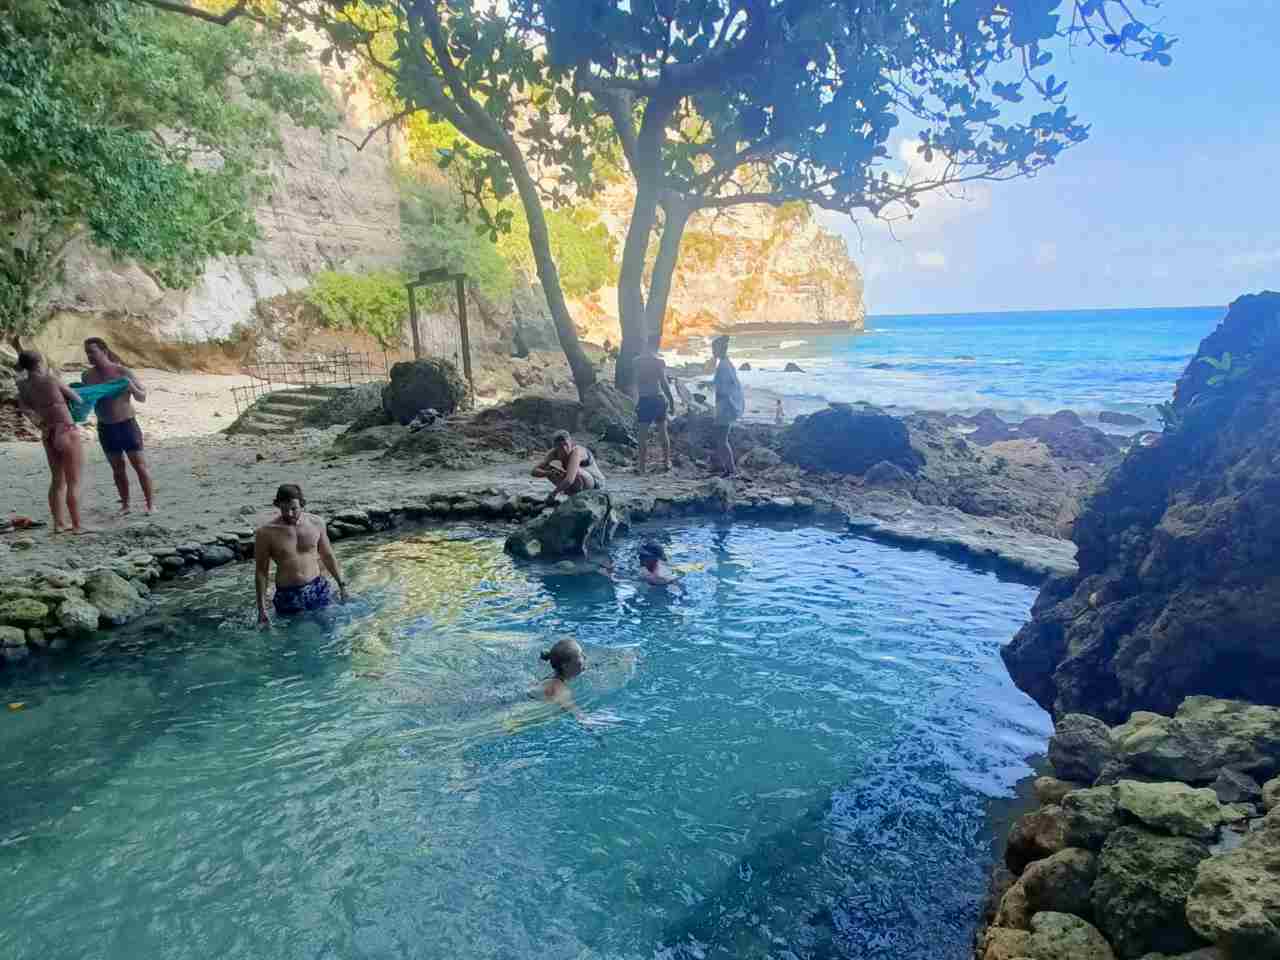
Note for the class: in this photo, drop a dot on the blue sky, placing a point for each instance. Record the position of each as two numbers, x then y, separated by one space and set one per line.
1173 201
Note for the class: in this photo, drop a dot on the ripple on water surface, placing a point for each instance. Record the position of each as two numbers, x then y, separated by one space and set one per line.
789 756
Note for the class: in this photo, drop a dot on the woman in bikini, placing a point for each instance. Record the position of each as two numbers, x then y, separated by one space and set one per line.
44 398
569 466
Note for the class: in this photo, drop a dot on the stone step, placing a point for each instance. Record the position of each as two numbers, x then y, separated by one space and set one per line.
273 418
299 398
255 429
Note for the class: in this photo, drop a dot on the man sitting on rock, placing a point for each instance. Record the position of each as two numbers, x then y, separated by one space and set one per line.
298 543
569 466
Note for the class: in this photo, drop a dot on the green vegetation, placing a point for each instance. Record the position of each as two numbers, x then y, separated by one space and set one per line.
145 133
375 303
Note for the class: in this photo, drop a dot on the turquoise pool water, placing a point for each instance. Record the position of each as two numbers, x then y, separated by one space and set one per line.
791 756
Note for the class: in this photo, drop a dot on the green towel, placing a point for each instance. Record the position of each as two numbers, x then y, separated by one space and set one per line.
91 393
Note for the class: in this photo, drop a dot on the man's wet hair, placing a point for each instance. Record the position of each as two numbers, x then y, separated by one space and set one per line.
101 345
652 550
28 360
560 435
289 491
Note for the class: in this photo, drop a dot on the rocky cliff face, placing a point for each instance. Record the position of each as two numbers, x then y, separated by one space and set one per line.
755 265
336 208
332 208
1179 550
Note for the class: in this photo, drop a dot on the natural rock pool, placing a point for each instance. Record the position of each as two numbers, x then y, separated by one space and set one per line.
792 755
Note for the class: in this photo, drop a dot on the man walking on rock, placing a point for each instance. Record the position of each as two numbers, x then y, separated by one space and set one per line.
118 430
298 543
655 402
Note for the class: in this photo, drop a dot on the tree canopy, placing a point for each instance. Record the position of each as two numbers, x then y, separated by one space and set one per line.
124 125
716 103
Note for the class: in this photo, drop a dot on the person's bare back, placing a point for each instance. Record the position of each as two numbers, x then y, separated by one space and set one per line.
651 375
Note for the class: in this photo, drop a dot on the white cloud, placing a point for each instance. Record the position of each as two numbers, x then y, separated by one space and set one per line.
1256 258
931 259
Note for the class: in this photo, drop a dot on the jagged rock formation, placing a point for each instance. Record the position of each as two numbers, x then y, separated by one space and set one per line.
1171 850
1179 549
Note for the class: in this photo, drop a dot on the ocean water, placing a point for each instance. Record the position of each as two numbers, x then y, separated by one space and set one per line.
793 755
1017 363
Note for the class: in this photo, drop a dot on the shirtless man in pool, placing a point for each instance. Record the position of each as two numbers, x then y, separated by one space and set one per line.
299 544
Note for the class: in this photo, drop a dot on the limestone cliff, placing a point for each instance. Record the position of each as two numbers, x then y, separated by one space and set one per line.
1179 585
332 207
336 208
754 265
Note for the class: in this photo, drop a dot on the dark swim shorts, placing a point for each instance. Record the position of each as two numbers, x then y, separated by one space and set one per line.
307 596
122 437
651 409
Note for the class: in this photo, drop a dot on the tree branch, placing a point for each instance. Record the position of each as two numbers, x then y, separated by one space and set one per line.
406 112
221 19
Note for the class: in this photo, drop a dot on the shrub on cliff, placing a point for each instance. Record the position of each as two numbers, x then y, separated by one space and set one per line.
375 303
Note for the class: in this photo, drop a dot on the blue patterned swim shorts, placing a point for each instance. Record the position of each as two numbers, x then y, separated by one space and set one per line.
307 596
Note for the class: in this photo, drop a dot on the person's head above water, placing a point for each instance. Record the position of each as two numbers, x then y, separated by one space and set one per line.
651 553
30 360
720 346
566 658
290 501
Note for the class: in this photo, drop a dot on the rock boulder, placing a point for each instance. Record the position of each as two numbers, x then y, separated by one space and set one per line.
1140 894
849 438
568 530
1172 807
1080 747
1178 591
1235 900
115 597
419 385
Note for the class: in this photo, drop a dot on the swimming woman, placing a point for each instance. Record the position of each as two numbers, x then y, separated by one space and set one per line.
653 565
45 399
567 661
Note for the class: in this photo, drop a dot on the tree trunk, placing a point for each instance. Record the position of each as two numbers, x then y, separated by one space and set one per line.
644 214
584 374
677 210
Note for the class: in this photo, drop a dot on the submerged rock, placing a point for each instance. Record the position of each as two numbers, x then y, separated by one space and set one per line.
568 530
1140 893
1178 591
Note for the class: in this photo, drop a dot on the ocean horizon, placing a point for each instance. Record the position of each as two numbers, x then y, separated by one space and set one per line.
1018 363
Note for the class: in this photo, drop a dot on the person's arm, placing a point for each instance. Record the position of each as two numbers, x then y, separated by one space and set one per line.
541 467
136 389
68 394
330 561
666 386
261 573
570 472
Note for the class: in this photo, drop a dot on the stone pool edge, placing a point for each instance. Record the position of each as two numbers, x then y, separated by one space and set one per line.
45 609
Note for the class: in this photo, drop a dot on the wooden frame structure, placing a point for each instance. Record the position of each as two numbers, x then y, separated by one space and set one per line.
441 275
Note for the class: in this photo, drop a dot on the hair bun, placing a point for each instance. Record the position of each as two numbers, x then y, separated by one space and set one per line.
545 655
